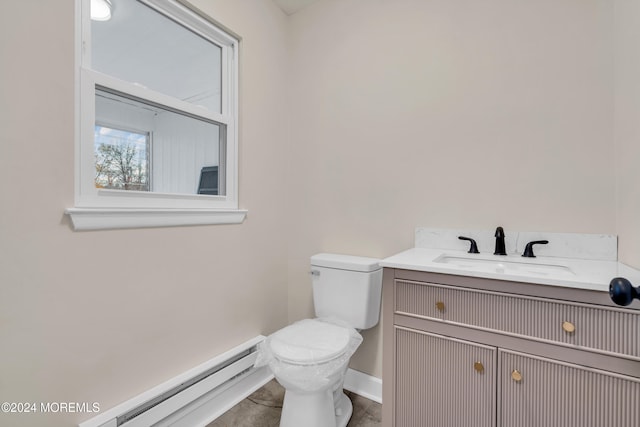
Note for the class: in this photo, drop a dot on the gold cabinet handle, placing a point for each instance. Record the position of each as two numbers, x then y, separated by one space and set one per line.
440 306
568 327
479 367
516 375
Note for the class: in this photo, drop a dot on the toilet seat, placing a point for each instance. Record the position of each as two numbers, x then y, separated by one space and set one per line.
310 341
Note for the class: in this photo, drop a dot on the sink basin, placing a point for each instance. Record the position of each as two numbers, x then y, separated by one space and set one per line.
505 266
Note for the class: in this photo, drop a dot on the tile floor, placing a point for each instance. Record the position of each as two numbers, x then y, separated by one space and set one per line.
262 409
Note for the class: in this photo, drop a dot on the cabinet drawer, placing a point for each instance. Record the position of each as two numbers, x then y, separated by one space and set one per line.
595 328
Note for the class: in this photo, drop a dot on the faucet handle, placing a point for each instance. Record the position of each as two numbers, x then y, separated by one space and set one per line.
473 249
528 249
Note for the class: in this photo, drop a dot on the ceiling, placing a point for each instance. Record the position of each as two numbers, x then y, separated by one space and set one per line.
292 6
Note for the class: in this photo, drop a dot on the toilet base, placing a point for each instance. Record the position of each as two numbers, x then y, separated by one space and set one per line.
315 409
344 410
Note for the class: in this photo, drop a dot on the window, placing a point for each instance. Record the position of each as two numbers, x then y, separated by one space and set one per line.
157 114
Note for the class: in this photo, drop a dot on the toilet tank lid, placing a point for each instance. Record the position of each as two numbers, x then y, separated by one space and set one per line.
345 262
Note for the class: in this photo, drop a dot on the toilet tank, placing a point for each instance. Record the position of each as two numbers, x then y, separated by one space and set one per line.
348 288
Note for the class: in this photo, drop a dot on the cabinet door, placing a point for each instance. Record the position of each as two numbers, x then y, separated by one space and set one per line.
443 382
535 392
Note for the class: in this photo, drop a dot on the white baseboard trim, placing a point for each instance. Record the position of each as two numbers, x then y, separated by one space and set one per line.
203 411
363 384
229 376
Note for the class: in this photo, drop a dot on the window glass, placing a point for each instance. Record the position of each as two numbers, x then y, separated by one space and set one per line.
141 46
178 146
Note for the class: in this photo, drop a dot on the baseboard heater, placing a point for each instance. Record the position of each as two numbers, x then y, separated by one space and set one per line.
195 397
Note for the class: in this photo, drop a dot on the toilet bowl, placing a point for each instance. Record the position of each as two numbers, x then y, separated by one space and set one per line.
310 357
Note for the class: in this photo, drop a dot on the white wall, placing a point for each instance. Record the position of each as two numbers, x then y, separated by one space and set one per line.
112 112
440 113
181 147
103 316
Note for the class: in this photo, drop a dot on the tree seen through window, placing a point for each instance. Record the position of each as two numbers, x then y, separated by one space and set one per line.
122 160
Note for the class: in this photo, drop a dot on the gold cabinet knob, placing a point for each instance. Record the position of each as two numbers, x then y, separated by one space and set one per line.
516 375
479 367
568 327
440 306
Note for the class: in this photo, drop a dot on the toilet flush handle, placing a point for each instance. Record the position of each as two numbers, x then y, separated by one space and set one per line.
314 273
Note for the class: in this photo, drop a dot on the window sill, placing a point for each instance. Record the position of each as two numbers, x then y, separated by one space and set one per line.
108 218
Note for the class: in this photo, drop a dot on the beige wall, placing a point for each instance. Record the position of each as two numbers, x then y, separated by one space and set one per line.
627 128
440 113
103 316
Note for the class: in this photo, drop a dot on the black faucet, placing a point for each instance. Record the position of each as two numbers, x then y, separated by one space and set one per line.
528 250
500 249
473 247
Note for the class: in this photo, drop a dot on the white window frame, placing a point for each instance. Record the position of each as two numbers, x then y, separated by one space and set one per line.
106 209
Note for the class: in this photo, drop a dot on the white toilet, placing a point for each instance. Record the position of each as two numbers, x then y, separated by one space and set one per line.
310 358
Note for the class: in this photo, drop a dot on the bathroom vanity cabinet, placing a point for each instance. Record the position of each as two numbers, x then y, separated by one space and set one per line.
465 351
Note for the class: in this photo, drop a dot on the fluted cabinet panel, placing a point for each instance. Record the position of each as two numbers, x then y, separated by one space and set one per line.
605 329
443 382
548 393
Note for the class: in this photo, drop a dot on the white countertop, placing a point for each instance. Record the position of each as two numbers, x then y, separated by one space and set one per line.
578 273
